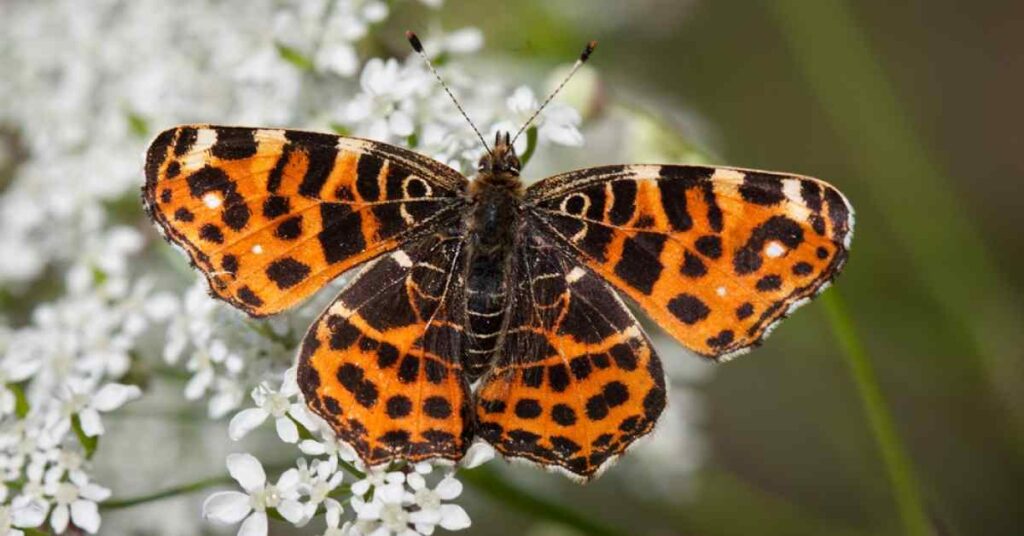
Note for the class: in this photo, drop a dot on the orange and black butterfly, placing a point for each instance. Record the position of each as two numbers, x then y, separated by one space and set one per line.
486 309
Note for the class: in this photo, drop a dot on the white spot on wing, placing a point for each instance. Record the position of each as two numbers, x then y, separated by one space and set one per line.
211 200
257 249
205 138
791 188
402 258
271 135
575 274
721 291
774 249
726 174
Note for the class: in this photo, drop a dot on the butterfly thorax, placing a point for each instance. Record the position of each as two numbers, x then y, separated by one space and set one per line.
496 195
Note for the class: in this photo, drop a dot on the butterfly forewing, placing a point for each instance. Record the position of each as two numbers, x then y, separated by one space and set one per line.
576 381
715 256
270 216
382 365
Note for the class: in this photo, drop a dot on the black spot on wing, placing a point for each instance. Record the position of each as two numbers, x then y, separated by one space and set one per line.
762 189
692 266
352 378
673 202
277 172
710 246
236 214
289 229
367 173
186 139
342 234
211 233
234 143
275 206
321 162
249 297
287 272
688 308
639 265
624 201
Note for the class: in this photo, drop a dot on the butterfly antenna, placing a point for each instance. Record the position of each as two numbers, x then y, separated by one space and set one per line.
576 66
414 40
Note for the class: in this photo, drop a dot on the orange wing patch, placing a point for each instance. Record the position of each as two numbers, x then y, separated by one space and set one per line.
270 216
577 381
382 364
716 256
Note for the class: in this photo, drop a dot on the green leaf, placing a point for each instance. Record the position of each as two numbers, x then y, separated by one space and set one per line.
88 443
340 129
138 124
294 57
21 405
412 141
531 146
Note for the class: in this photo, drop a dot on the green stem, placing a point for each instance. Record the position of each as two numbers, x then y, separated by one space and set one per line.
183 489
897 464
507 494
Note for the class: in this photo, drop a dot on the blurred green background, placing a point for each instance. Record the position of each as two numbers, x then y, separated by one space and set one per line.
911 108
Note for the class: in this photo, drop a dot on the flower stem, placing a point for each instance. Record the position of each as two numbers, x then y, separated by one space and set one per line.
507 494
183 489
908 500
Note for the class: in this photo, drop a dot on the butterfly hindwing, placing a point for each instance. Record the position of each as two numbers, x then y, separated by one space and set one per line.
382 364
577 380
270 216
716 256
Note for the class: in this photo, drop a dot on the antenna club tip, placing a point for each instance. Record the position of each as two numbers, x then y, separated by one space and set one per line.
414 40
588 50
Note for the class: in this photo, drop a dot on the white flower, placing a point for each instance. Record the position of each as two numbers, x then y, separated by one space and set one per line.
75 501
230 507
431 511
330 446
325 479
277 404
403 504
88 406
557 123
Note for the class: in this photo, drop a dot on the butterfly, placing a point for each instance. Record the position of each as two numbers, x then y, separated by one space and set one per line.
484 308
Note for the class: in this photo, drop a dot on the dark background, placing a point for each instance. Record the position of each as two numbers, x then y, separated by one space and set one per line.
912 109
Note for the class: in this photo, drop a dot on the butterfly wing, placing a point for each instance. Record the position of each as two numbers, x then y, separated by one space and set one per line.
382 364
270 216
576 381
716 256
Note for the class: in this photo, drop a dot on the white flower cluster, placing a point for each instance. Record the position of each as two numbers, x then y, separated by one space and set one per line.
59 374
384 501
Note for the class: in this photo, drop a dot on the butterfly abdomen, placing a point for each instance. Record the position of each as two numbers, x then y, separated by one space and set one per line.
491 224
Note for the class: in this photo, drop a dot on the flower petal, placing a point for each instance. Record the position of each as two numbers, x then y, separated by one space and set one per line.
453 517
114 395
292 511
90 420
448 488
254 525
245 421
86 515
246 469
311 447
228 507
478 454
287 430
59 518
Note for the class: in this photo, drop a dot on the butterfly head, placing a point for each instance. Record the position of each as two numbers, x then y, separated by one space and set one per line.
501 159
